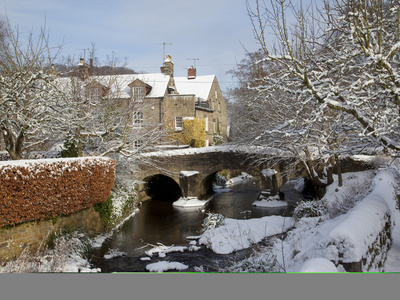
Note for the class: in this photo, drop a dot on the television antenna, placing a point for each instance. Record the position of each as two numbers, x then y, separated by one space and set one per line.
194 61
84 52
164 44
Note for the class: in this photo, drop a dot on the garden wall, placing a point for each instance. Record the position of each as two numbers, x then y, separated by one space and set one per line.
39 196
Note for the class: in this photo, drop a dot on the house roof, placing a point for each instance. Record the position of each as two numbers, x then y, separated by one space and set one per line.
119 84
158 82
200 86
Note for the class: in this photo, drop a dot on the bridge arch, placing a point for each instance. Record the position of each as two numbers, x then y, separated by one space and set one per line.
161 187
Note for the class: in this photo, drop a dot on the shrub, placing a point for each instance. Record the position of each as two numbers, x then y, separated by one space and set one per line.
309 209
105 211
70 148
218 138
120 204
193 133
259 262
38 190
213 220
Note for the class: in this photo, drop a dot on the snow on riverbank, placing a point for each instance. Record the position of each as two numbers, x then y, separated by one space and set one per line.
236 235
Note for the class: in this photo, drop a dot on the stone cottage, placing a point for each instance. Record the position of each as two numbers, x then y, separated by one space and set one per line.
165 100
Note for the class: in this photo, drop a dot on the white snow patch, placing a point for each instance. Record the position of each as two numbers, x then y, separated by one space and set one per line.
163 266
114 253
161 250
190 202
269 172
189 173
238 179
270 203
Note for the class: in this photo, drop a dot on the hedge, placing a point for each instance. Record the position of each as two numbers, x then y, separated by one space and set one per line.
44 188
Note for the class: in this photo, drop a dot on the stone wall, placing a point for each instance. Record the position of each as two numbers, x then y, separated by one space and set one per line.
13 239
375 256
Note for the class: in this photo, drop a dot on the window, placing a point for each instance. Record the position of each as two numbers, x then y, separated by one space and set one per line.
94 93
178 123
138 118
206 119
138 143
138 94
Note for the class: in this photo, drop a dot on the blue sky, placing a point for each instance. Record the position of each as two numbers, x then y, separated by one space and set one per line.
211 30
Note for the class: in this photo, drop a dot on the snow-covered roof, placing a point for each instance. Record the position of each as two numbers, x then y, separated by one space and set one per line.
119 84
200 86
158 82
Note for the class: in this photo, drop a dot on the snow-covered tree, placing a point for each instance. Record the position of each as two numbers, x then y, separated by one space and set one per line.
100 118
338 65
28 97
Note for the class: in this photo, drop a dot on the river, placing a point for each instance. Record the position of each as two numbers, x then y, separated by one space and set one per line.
160 222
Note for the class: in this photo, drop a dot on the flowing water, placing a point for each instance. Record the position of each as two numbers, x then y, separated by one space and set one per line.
160 222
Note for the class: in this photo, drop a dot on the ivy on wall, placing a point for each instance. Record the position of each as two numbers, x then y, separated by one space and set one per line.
193 133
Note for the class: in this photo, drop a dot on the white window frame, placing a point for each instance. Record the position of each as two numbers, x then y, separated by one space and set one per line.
178 123
139 143
206 119
138 94
138 118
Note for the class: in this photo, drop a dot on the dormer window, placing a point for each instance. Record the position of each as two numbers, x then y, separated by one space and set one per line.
94 94
138 94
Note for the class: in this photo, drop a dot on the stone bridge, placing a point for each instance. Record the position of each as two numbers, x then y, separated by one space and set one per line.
191 172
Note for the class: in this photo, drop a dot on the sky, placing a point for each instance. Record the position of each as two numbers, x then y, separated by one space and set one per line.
209 34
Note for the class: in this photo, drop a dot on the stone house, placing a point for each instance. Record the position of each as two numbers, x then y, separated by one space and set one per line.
164 100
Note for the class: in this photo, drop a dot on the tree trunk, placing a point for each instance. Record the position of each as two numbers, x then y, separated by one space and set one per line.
13 144
339 170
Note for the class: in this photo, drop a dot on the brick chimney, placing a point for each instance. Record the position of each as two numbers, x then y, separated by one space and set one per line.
191 73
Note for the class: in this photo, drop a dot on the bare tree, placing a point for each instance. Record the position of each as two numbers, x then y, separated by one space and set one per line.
27 95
